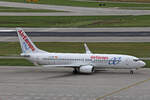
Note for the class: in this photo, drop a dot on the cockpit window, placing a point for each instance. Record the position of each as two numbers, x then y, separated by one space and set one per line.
136 60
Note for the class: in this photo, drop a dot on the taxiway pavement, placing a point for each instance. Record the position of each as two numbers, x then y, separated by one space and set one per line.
72 11
135 34
114 29
135 31
79 39
37 83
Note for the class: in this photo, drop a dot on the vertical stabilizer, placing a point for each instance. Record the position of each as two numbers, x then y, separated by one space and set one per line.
26 44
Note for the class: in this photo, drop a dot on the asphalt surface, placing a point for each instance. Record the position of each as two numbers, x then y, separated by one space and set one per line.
72 11
114 29
135 31
135 34
72 34
37 83
79 39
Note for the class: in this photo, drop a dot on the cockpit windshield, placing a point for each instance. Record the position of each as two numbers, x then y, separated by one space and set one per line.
136 60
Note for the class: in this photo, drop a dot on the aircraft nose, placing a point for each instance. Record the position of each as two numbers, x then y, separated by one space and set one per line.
142 63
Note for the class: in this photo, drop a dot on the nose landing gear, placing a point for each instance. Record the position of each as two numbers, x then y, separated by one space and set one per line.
131 71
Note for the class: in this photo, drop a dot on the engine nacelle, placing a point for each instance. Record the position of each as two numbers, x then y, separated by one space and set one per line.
87 69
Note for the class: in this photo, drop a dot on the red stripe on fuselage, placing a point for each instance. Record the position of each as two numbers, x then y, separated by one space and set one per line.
99 57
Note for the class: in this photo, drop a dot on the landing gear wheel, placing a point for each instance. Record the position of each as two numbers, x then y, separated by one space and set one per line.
131 72
76 70
93 70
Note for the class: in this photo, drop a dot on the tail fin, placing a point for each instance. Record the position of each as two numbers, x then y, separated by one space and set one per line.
26 44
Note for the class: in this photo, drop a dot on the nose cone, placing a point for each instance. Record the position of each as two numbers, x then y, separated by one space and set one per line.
142 63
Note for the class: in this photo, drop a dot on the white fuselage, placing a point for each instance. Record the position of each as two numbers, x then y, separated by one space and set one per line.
96 60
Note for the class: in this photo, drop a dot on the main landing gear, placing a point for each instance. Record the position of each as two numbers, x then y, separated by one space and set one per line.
76 70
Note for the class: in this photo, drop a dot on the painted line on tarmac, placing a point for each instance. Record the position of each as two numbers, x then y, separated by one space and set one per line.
122 89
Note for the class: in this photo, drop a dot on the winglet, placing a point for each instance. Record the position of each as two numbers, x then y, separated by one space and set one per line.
87 49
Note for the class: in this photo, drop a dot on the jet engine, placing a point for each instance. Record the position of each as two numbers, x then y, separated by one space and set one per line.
87 69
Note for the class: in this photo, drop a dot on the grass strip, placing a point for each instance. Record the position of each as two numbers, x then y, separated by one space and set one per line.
15 62
75 21
135 49
14 9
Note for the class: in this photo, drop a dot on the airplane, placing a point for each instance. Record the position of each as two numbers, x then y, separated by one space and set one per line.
81 62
